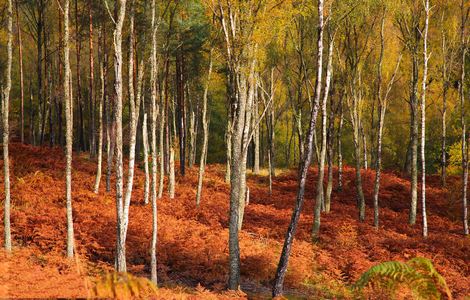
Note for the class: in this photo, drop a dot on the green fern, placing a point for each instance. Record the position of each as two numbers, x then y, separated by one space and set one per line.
418 275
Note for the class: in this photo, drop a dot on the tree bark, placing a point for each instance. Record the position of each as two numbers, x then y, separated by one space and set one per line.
91 83
100 110
423 121
153 83
382 101
120 206
414 141
320 197
304 165
340 148
180 111
69 129
146 159
6 129
134 102
78 45
445 88
20 60
205 131
463 122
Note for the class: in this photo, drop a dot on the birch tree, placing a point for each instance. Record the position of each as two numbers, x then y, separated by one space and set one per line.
134 103
102 66
154 113
6 128
304 164
320 196
382 100
463 45
423 119
408 24
121 206
68 129
205 131
20 61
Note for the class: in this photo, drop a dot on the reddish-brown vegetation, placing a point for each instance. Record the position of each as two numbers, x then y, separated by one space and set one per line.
192 243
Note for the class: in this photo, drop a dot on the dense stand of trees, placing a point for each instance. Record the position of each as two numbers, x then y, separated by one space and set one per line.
255 84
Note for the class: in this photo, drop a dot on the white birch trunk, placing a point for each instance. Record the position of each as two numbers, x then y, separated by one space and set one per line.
423 121
6 129
205 129
69 130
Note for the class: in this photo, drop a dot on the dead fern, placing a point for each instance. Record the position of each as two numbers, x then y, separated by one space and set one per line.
123 286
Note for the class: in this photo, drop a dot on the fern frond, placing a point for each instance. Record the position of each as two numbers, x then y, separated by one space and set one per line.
418 274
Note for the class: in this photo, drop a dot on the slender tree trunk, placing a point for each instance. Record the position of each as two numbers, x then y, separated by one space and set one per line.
146 159
32 134
357 155
180 112
423 121
40 29
162 151
171 175
382 101
205 130
414 141
304 166
69 129
78 45
153 84
445 87
340 148
92 78
20 60
320 197
134 101
120 206
100 111
256 140
6 129
381 117
109 116
228 141
45 100
330 150
246 139
463 122
364 146
60 135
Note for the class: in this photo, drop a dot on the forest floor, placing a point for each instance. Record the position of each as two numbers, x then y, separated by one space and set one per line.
192 242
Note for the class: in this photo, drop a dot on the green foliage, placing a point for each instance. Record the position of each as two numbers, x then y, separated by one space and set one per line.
418 275
455 159
123 286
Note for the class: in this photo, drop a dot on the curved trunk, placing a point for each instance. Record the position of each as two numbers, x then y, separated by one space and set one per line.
304 166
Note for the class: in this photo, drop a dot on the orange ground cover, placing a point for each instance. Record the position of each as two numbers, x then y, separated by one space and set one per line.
192 243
